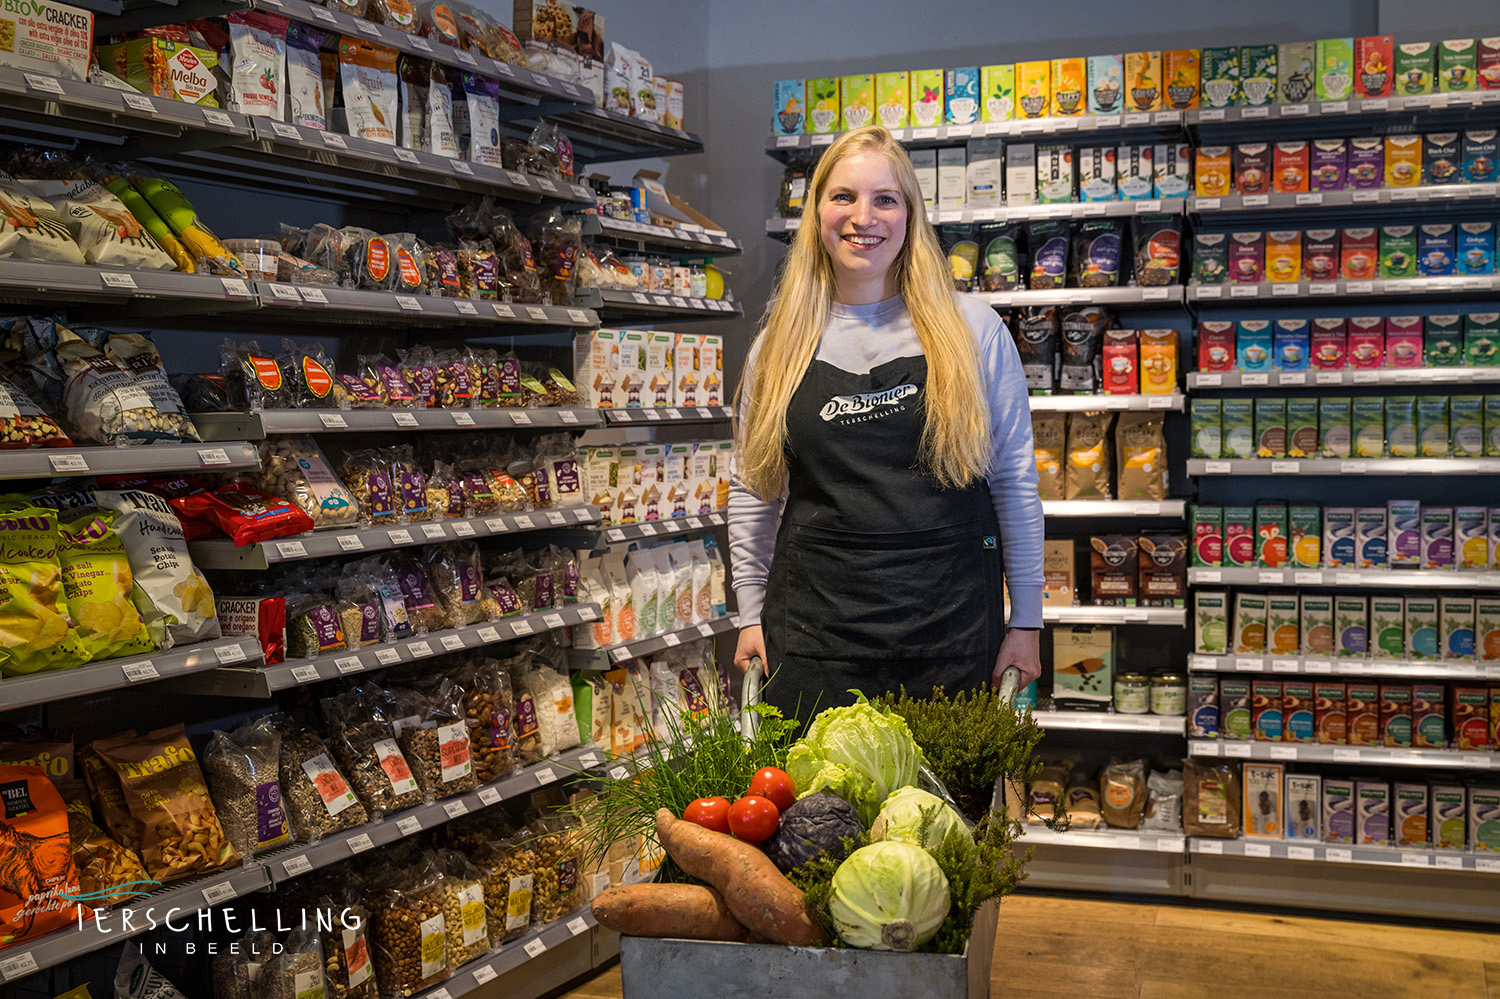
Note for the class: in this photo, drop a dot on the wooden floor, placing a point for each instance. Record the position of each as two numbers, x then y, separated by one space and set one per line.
1050 948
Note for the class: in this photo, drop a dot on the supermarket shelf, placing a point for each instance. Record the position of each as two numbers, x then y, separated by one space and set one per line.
95 678
127 460
1114 508
605 658
264 681
511 956
317 305
1091 403
39 105
116 17
674 414
298 860
1414 669
1342 110
126 292
1422 579
787 146
1100 721
1115 615
1310 201
259 425
1384 856
1345 466
186 897
635 306
1344 376
1440 288
1102 839
1364 755
666 528
1165 295
698 242
222 553
782 228
601 136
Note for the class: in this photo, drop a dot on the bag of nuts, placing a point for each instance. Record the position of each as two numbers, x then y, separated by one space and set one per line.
419 369
343 922
237 968
364 743
101 862
165 791
136 353
254 378
317 794
487 385
387 381
464 915
429 724
22 422
489 707
455 574
508 877
407 480
479 494
368 475
408 929
296 469
559 861
422 606
452 379
296 972
446 493
244 769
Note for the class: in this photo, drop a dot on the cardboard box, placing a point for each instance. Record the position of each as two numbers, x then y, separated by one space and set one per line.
659 389
1247 257
598 371
962 95
928 103
1488 74
1363 713
1270 428
1484 819
1449 815
1270 533
823 105
1401 426
1338 810
1416 68
1170 170
1255 345
1234 710
1403 341
1487 629
1059 581
560 23
953 177
1290 163
1203 706
1435 543
1112 570
1106 86
1143 76
1020 174
703 477
924 162
1096 173
1456 627
1429 716
1457 66
1294 72
1211 622
1315 624
1220 71
1340 542
1374 61
1442 338
1161 566
1404 534
1213 173
893 99
997 84
686 376
1421 627
153 66
1258 74
1282 632
1395 715
1207 432
857 101
1057 183
1351 619
1334 79
985 172
1207 525
788 102
1083 659
1265 710
1387 626
1250 623
1135 169
1216 346
1262 811
1471 718
1410 818
1481 154
1329 336
1181 77
1471 540
54 39
1069 80
1320 262
1304 795
1301 427
1365 168
1330 717
1371 538
1367 427
1239 536
1033 89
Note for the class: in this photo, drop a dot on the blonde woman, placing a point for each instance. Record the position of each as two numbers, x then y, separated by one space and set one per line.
884 458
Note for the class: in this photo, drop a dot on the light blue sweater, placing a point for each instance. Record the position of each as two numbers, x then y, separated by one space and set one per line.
862 337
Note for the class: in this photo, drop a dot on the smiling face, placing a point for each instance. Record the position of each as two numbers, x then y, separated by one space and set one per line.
863 216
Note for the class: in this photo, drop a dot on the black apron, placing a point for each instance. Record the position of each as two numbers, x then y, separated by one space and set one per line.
879 579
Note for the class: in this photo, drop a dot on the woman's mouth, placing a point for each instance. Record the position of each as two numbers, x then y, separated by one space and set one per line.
863 242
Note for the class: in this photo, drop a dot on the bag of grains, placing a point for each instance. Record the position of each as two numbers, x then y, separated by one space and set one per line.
243 771
464 915
316 791
296 971
364 743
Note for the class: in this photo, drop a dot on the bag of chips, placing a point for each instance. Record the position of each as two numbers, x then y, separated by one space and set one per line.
22 422
102 226
36 858
173 598
30 228
36 632
98 583
108 795
107 871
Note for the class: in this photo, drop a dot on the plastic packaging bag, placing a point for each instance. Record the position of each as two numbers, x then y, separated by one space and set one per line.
435 739
552 695
348 972
559 863
557 241
104 229
318 796
30 228
313 381
464 915
368 477
314 627
420 370
295 468
488 710
508 877
97 581
304 88
455 573
254 378
101 862
237 969
174 208
22 422
173 598
246 514
243 769
453 386
137 353
481 138
409 931
446 493
258 70
363 742
136 979
387 380
398 14
368 74
297 971
422 606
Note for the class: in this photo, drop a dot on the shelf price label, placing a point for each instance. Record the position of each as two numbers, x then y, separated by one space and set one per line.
227 654
419 649
139 102
535 948
484 973
305 674
456 808
361 843
349 664
452 643
137 672
387 657
489 796
296 866
351 542
409 826
577 925
222 892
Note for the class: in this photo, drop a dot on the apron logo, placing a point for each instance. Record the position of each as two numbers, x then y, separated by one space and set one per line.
858 405
989 542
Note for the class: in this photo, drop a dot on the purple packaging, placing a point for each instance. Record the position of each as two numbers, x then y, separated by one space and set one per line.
1338 810
1436 249
1372 812
1366 166
1404 533
1247 257
1290 345
1328 164
1403 341
1437 537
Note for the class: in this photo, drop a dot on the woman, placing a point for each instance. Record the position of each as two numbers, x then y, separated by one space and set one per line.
883 456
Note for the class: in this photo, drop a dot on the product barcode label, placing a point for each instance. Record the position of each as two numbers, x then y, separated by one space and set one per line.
577 925
399 537
456 808
227 654
333 139
284 130
406 155
537 312
484 973
1487 865
640 299
1416 860
305 674
489 795
568 416
1210 846
139 102
522 627
546 775
349 664
544 184
419 649
1268 576
1294 378
404 419
351 542
556 518
387 657
367 28
578 316
617 773
535 948
222 892
1285 468
360 843
408 303
523 523
520 419
1450 863
588 760
296 866
417 41
291 549
136 672
1346 756
67 463
285 292
1338 855
333 420
441 993
1301 853
1239 749
463 529
462 166
1257 849
1283 752
235 286
552 620
432 531
705 630
672 639
488 635
648 530
217 118
213 456
452 643
114 279
1252 378
409 826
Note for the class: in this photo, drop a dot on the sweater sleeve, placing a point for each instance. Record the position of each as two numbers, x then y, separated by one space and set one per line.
753 523
1012 477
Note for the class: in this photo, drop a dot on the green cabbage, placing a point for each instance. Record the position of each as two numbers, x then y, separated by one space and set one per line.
900 821
860 753
888 896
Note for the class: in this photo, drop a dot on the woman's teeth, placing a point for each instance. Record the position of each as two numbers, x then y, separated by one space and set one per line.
864 240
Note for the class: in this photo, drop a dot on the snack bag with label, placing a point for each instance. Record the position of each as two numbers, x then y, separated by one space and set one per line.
173 598
36 632
98 585
36 855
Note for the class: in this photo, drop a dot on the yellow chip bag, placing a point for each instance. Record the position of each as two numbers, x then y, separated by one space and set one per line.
36 632
98 584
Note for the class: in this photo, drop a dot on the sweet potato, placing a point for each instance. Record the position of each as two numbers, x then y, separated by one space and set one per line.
757 894
686 912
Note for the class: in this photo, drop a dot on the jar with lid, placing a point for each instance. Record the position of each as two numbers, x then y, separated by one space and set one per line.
1169 694
640 269
661 275
698 282
1132 694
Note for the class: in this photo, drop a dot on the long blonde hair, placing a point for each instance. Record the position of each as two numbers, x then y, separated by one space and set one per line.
955 447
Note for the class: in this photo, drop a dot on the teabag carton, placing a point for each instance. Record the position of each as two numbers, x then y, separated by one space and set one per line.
1234 710
1456 627
1211 622
1303 804
597 369
1372 812
1262 812
1330 717
1203 706
1020 174
1484 819
1487 629
1388 626
1429 716
1411 813
1083 660
1250 623
1316 624
1421 627
1448 815
1350 624
1404 537
1265 710
1436 542
1339 541
1362 709
1338 810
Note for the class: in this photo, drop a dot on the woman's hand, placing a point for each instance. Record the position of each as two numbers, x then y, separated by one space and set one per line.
752 643
1021 649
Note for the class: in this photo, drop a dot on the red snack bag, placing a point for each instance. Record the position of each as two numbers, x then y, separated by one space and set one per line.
245 513
169 489
37 854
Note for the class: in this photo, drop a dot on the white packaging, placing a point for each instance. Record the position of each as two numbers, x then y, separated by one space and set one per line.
658 372
371 95
703 603
652 458
304 78
621 596
1096 173
674 117
102 226
258 70
1020 174
619 77
711 370
953 177
597 371
644 89
632 368
1055 177
412 130
1304 801
599 483
676 491
591 76
441 138
681 557
703 486
717 579
1169 170
723 461
1262 812
686 353
985 172
483 106
924 161
594 584
172 597
640 569
666 590
627 505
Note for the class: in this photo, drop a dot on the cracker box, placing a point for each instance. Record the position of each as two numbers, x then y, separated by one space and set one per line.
1059 581
1305 535
1315 626
1363 711
857 101
1069 80
1220 71
703 479
1416 67
1443 341
1436 540
1258 74
1247 258
1374 58
1366 342
997 85
1449 814
1252 168
1096 173
1335 427
1265 709
1304 794
1429 716
1239 536
787 111
1404 524
631 388
893 99
1234 710
597 368
1250 623
1421 627
1329 712
1270 532
1365 167
1488 63
1270 428
711 370
1395 715
1442 158
1456 627
1143 79
961 93
1487 629
52 38
1328 164
1207 525
1410 815
1238 428
1020 174
928 90
1262 805
1033 89
1328 339
1213 173
1135 169
1282 635
1170 170
1284 256
1297 710
1211 622
1290 162
1471 541
1351 626
823 106
1476 247
1180 76
1083 660
1339 543
1480 152
1338 811
261 618
1371 537
1207 440
1457 65
1333 78
1294 72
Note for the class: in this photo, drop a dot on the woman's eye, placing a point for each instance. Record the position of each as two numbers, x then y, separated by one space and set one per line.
840 196
886 201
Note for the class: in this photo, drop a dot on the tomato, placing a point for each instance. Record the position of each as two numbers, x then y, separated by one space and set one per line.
773 783
710 813
753 818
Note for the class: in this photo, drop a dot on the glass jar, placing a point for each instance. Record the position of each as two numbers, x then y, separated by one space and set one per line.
661 276
640 270
1169 694
698 282
1132 694
682 281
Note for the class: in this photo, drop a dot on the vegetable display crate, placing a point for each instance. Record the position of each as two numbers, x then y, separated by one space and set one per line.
686 969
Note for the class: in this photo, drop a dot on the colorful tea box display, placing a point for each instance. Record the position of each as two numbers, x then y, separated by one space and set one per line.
1338 810
1388 626
1250 623
1395 715
1239 536
1435 541
1457 65
997 87
1330 706
1416 66
1262 800
1180 76
857 97
1471 718
1211 622
1069 80
1374 60
1429 716
1096 173
1258 74
1294 72
962 95
1410 815
1304 796
1143 81
928 90
1421 627
1281 624
1449 812
1362 708
1372 812
1484 819
893 99
1297 711
823 105
787 118
1207 526
1234 710
1316 624
1334 73
1220 70
1350 626
1033 89
1456 627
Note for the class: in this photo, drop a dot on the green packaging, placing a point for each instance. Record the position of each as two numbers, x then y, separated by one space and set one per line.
1304 545
823 107
1208 439
1492 426
997 92
1334 69
1416 64
1234 709
1270 535
1238 422
1294 72
1400 426
928 93
1335 428
1301 427
1432 426
1421 628
1211 622
1316 624
1466 425
1456 629
857 100
1207 525
1249 622
1457 65
1258 74
1482 339
1220 70
1367 427
1398 251
892 99
1270 428
1239 536
1442 341
1388 626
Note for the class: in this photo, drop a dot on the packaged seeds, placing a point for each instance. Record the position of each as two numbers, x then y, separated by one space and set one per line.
1328 163
1212 171
1106 73
1211 622
1207 525
1421 627
1374 58
1247 257
1180 75
1335 427
1330 717
1210 258
1334 69
1294 72
1239 536
1315 625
